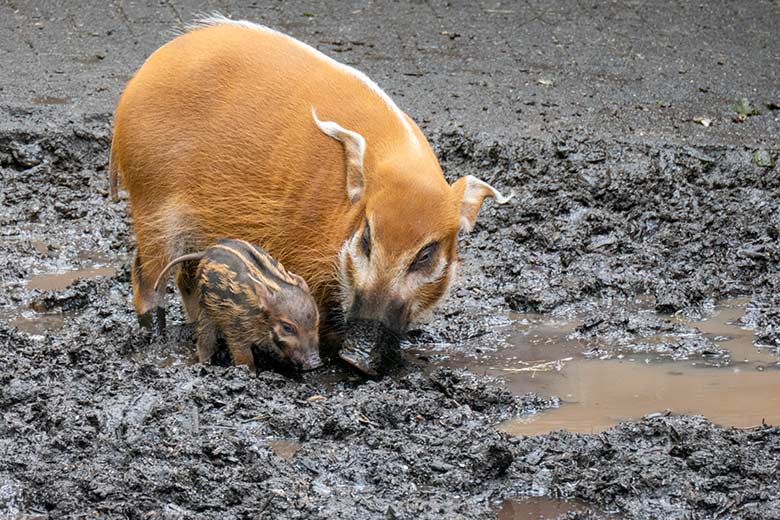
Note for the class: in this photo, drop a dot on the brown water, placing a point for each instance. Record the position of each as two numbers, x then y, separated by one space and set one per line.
37 321
51 100
60 281
597 394
286 449
33 322
537 508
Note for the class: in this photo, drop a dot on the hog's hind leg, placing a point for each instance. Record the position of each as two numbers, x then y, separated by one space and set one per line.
149 304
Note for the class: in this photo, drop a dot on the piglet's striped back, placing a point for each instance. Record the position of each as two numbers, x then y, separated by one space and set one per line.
260 264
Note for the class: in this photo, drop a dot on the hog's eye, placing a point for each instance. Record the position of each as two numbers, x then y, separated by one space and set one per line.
288 329
365 241
424 257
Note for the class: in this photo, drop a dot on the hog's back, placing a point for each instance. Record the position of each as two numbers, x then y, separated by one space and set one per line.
214 137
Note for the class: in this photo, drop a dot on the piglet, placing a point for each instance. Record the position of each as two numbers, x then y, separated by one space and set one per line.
250 299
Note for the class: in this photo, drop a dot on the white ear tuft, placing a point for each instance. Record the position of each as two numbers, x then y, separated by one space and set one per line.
354 152
473 193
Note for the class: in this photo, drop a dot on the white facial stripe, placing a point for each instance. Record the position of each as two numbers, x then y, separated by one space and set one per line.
217 19
346 293
409 283
417 313
365 275
362 274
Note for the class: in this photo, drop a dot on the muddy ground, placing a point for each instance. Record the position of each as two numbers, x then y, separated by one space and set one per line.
584 112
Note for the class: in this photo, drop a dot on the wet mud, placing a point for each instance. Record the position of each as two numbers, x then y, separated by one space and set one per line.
635 271
540 508
731 383
100 422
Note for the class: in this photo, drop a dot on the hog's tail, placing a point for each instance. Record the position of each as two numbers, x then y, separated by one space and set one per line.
113 175
183 258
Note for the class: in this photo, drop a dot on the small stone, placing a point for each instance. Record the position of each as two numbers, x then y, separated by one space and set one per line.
763 158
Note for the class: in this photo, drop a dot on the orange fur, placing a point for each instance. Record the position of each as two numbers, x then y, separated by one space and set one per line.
215 137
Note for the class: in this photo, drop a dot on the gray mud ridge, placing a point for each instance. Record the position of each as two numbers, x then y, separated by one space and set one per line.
596 222
620 328
93 426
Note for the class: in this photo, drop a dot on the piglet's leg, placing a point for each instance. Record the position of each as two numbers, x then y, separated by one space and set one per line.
207 337
185 281
240 350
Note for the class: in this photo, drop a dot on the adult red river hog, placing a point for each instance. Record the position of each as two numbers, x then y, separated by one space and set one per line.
236 130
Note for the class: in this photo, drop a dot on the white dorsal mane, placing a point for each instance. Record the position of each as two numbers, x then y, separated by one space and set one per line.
217 19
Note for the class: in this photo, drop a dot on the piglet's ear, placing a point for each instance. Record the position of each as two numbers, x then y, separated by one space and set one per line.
263 290
300 281
472 192
354 150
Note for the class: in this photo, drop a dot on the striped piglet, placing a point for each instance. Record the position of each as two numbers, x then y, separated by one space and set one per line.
250 299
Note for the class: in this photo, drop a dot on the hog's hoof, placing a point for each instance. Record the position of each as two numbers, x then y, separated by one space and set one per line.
153 323
370 348
360 359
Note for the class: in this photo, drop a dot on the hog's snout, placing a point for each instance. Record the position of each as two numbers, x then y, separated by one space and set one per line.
370 346
392 313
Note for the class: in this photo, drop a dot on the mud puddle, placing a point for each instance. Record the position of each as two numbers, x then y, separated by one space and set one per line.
284 448
60 281
36 317
32 322
543 355
539 508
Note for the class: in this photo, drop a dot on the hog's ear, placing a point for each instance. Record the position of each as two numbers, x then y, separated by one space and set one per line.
354 150
471 192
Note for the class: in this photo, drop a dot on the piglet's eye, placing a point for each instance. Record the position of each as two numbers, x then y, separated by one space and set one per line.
287 328
424 257
365 241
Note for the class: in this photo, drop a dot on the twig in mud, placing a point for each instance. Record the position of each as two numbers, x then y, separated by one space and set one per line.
546 366
365 420
256 418
755 426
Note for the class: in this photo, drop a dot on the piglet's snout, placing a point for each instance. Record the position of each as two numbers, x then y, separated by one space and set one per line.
312 362
307 357
309 361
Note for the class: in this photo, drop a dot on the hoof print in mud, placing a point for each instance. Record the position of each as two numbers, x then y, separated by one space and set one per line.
371 348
